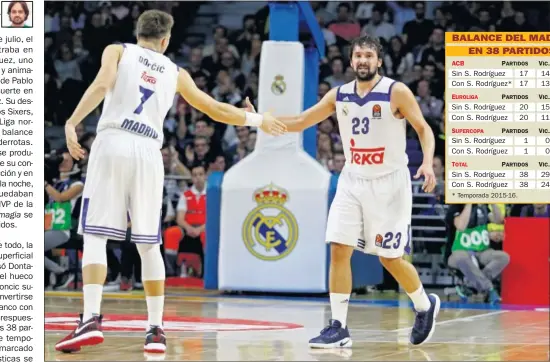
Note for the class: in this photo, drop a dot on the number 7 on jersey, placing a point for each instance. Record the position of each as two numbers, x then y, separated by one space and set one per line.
146 94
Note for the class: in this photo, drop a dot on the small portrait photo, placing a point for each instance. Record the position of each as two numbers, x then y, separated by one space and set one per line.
17 14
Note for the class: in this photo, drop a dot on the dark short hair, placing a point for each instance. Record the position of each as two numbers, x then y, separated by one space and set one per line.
220 27
154 24
23 5
248 17
198 164
344 5
366 41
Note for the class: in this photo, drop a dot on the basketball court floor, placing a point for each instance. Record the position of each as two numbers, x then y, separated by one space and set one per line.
203 326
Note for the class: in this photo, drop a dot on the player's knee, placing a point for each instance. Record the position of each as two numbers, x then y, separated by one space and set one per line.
146 249
152 265
94 250
340 253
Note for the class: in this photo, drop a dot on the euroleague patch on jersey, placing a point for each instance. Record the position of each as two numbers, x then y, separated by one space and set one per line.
137 323
376 111
378 240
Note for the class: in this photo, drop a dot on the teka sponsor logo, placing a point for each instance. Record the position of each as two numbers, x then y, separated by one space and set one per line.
148 78
366 156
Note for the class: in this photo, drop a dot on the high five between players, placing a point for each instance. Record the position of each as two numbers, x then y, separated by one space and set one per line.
371 211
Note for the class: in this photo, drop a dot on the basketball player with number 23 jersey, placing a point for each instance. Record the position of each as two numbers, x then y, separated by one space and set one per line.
125 169
372 208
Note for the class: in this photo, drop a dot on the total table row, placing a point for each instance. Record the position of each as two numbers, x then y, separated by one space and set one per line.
499 185
540 175
500 140
500 151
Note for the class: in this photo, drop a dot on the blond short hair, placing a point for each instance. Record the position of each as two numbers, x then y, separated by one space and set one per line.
154 24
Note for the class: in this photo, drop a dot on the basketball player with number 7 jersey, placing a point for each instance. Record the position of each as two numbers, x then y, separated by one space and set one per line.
125 169
372 208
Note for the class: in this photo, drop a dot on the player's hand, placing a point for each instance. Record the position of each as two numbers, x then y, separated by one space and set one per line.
72 142
272 125
429 177
249 106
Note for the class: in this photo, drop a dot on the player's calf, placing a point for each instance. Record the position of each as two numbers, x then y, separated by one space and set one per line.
88 333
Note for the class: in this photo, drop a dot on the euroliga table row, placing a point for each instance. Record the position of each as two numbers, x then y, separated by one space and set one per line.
499 151
499 185
500 140
499 117
459 174
456 73
458 107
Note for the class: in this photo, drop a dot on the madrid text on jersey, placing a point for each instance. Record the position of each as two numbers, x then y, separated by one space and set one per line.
139 128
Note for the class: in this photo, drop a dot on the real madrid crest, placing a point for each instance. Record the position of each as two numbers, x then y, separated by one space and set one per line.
345 110
278 86
270 231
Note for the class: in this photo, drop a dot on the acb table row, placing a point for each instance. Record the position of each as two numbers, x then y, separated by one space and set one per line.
457 73
500 83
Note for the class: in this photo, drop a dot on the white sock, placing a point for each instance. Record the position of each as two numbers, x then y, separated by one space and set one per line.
155 307
339 306
420 300
92 300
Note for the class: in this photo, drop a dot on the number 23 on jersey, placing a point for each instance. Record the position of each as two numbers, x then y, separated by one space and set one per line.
360 126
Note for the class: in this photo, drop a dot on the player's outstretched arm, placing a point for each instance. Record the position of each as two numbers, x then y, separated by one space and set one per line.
407 105
93 96
104 81
316 114
225 113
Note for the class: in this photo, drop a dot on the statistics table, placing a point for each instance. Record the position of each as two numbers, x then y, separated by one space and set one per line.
497 118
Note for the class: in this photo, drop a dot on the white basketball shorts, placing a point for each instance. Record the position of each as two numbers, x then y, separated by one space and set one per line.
124 182
373 216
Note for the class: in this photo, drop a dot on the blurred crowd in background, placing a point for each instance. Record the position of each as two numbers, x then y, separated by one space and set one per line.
222 55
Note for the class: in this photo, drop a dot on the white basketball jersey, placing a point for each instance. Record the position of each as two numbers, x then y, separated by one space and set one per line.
142 95
374 141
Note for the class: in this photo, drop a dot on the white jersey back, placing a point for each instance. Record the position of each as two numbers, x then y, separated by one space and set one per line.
142 95
374 140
